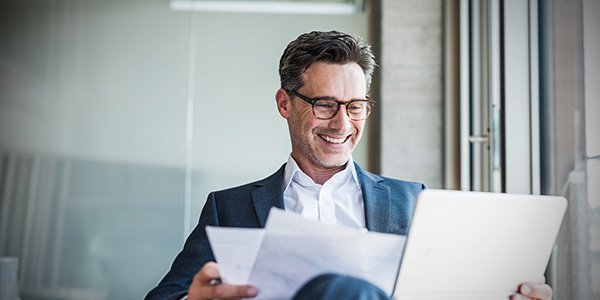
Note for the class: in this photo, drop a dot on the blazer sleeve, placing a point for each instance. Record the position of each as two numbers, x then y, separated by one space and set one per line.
196 252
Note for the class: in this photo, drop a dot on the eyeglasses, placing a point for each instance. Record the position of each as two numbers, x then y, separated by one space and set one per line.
327 108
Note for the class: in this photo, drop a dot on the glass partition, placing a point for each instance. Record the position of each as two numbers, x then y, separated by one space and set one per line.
116 120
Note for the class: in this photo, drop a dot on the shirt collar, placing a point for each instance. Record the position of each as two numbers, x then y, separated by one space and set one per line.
292 169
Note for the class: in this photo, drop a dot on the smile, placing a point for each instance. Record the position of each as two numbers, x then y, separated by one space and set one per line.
334 140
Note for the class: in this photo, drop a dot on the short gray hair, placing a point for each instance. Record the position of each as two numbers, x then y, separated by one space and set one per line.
317 46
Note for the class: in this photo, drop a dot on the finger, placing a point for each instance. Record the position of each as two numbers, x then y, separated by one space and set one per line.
542 279
536 290
521 297
228 291
208 273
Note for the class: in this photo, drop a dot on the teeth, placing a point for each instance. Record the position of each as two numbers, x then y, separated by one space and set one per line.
332 140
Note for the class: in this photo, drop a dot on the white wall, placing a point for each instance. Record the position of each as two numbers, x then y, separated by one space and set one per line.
411 90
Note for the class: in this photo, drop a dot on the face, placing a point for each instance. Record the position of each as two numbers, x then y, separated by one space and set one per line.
324 144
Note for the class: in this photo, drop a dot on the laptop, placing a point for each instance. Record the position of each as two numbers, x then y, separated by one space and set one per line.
475 245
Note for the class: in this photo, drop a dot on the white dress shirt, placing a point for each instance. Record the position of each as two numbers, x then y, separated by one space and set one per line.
338 201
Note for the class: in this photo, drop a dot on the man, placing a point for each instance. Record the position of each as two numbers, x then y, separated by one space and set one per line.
325 78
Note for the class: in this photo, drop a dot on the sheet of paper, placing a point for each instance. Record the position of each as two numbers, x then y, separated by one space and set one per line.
295 249
291 250
235 250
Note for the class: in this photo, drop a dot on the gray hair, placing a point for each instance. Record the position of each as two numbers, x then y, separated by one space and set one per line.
317 46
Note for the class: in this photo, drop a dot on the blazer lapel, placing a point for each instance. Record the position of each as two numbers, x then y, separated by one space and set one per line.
377 200
268 193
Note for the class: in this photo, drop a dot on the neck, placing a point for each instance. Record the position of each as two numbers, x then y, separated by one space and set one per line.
318 174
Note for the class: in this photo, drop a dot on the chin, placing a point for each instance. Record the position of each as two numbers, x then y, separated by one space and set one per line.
334 163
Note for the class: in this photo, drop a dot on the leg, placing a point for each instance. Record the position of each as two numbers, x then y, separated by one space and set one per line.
334 286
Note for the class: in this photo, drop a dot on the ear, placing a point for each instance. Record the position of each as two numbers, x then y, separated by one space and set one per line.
284 105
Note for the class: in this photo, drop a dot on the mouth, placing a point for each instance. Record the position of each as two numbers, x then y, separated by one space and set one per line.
334 140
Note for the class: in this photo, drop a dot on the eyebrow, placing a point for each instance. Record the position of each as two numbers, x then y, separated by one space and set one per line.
334 98
325 98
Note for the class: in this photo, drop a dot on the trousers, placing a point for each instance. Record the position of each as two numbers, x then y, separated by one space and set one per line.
334 287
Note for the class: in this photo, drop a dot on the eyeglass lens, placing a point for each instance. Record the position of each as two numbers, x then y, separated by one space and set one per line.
326 109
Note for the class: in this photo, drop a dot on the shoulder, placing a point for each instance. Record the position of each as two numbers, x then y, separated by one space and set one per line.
402 193
396 185
412 186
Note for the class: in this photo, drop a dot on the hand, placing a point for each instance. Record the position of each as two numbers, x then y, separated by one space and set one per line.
206 285
530 290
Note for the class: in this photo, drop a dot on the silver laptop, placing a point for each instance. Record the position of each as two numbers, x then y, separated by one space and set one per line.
472 245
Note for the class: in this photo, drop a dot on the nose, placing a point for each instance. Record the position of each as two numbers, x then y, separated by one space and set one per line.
341 122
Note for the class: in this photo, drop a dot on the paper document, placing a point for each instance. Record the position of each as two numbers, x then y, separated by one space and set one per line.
235 249
291 250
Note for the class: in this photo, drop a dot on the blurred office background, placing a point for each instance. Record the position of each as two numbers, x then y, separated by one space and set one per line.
118 117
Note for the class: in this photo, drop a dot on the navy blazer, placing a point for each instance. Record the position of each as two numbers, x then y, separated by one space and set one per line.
389 205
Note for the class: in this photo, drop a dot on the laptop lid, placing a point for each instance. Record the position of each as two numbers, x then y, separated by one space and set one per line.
474 245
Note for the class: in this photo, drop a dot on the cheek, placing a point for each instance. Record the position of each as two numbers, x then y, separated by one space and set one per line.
302 125
309 124
359 127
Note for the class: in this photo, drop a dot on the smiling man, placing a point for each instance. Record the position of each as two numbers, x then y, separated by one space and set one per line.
325 79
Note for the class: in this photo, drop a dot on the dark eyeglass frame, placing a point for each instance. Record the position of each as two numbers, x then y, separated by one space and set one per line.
312 101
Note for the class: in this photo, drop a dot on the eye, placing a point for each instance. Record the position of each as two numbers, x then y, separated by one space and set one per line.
356 106
325 104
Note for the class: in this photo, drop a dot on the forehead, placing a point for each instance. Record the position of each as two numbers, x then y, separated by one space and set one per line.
342 81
